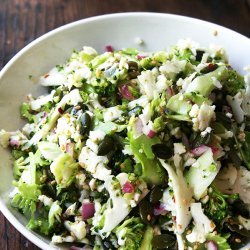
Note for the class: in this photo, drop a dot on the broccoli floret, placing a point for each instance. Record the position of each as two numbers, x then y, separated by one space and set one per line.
64 168
141 147
233 83
54 213
40 224
18 153
26 112
147 238
26 198
217 207
130 234
220 241
19 165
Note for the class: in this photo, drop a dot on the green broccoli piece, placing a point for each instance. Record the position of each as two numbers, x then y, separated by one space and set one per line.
217 207
130 234
18 154
19 165
40 224
141 147
219 240
233 83
26 112
54 213
185 54
64 168
147 238
26 198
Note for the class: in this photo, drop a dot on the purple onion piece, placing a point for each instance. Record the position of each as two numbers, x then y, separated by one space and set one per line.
88 210
211 245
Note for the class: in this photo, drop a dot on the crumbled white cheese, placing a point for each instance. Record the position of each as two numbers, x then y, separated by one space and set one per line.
208 130
60 239
229 115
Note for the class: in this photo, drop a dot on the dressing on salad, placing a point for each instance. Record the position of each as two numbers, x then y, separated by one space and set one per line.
136 150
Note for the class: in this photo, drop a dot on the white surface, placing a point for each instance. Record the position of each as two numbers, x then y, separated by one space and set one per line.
158 31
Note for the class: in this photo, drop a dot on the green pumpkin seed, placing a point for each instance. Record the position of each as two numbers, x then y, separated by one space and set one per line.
163 241
146 210
85 123
162 151
106 146
155 195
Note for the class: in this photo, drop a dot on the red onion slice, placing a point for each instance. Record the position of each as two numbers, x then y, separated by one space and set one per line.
70 148
199 150
109 48
88 210
125 92
14 142
140 57
151 134
159 209
211 245
128 188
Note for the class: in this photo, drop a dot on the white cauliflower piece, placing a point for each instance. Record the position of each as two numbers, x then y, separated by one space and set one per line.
203 225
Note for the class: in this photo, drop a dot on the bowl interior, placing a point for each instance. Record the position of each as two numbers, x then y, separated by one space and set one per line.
158 31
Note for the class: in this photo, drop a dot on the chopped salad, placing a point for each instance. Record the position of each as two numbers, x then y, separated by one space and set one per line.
135 150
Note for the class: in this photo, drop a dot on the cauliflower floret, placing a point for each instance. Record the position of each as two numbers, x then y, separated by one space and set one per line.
203 225
147 83
205 115
47 201
77 228
179 148
111 114
235 103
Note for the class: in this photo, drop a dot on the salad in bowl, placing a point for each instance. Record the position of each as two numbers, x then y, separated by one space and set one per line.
136 150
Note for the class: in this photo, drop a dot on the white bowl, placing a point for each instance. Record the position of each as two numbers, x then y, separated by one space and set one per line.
158 32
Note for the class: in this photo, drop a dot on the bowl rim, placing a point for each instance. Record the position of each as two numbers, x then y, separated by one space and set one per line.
3 208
